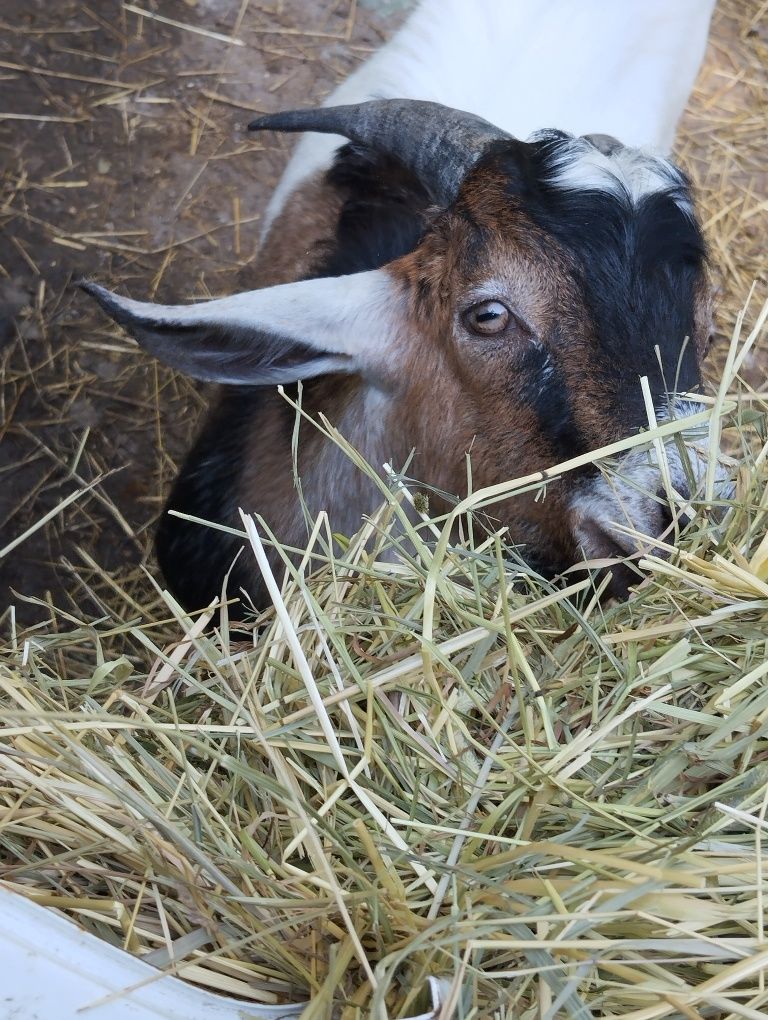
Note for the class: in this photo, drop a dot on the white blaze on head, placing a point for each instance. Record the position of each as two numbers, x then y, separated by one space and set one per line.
626 173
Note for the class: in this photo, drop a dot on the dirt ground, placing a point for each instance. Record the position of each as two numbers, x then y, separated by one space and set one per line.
124 156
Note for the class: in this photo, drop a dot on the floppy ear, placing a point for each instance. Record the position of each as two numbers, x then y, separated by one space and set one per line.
276 335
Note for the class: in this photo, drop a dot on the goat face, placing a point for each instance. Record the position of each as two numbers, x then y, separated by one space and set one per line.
565 270
552 274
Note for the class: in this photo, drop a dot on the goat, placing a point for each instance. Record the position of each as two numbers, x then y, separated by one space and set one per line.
439 285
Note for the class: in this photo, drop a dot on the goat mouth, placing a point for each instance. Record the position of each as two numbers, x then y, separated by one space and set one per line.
608 550
608 538
601 542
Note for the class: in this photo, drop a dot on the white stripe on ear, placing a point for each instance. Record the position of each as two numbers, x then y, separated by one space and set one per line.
275 335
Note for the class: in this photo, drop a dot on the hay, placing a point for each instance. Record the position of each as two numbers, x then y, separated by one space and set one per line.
159 166
721 144
417 769
433 766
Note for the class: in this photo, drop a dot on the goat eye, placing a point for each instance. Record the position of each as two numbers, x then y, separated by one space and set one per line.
486 318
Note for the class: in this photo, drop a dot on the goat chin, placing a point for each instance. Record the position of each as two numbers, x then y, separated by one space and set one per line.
630 512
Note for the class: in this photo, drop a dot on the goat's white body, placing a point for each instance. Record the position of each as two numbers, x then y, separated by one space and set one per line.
618 67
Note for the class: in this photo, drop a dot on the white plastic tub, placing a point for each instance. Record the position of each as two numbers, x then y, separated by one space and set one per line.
52 970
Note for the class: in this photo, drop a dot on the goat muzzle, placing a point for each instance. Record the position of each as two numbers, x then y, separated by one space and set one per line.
628 511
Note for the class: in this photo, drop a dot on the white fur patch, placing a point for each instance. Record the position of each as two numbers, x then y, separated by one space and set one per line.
629 174
624 68
351 322
633 496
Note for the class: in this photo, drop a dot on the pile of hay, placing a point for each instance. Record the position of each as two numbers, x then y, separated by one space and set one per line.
437 766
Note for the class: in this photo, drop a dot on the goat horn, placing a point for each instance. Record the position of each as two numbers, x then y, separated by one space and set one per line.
439 144
606 144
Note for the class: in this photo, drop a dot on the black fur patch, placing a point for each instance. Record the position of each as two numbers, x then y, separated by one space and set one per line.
383 216
194 559
544 389
637 266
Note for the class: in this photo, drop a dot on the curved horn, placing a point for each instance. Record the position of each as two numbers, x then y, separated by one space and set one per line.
439 144
606 144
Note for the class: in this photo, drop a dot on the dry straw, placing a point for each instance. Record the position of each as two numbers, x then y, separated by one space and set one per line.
432 763
424 761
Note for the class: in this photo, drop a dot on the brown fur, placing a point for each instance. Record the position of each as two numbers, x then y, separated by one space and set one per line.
306 224
452 403
302 231
454 394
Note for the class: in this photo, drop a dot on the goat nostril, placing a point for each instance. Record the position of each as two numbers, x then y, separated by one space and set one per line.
666 517
672 514
598 541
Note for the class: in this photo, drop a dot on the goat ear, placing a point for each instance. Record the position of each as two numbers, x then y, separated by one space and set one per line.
265 337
